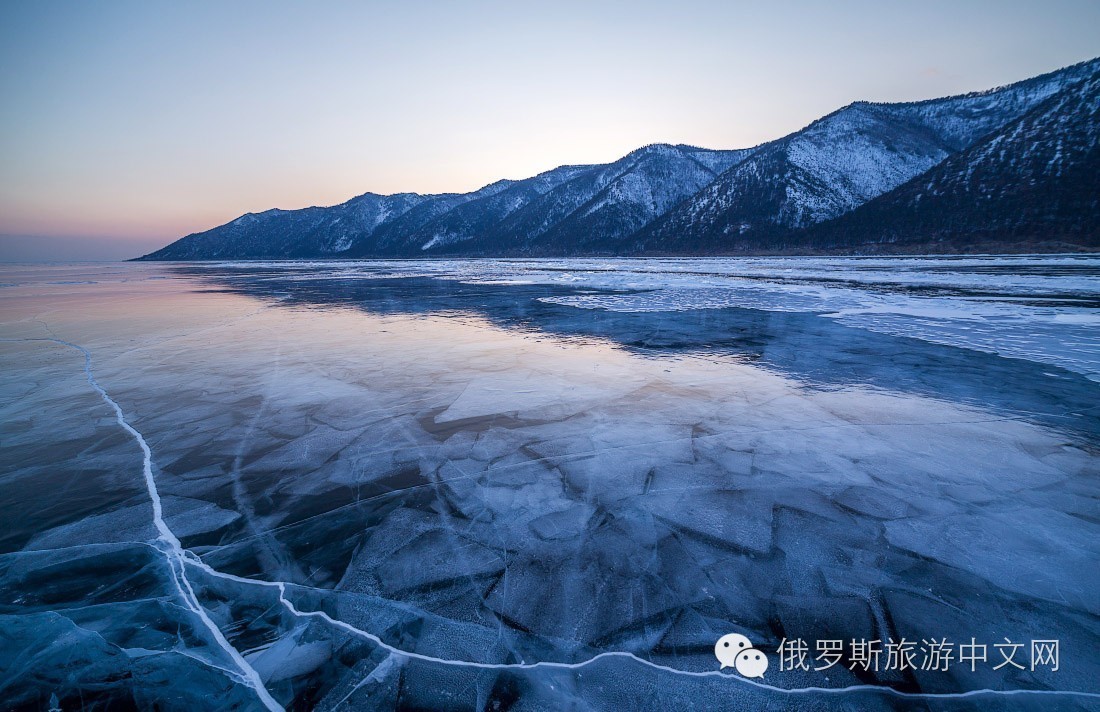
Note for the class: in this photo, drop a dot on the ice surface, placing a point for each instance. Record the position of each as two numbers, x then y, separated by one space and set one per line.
545 484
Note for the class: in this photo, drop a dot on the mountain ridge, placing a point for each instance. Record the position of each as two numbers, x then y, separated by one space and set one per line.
1055 189
782 191
678 199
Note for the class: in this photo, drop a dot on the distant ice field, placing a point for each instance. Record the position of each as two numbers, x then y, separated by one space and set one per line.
1036 307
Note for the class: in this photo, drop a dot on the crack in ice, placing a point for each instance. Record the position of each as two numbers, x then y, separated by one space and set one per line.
168 543
281 586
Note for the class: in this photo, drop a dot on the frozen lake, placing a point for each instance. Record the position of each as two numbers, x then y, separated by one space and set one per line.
547 484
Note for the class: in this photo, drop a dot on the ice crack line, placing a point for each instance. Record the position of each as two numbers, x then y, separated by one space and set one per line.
169 544
551 665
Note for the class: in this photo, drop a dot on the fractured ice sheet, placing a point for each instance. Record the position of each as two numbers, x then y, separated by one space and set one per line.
395 478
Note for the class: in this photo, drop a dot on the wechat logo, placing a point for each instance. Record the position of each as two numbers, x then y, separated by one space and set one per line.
734 650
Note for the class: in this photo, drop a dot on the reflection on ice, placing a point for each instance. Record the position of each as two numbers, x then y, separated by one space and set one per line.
394 491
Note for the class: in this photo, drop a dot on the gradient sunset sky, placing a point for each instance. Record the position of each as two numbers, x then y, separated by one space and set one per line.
124 125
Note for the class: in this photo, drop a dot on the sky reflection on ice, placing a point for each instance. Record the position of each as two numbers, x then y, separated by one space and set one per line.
483 473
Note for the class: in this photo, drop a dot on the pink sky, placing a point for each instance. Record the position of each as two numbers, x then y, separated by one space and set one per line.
130 124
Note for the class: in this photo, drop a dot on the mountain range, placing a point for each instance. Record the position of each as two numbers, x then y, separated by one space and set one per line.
1016 168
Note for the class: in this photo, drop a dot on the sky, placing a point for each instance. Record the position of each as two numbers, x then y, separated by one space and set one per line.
125 125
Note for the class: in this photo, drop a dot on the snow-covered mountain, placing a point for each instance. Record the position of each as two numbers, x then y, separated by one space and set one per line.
682 199
308 232
315 232
614 199
840 162
441 224
601 206
568 206
1034 182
